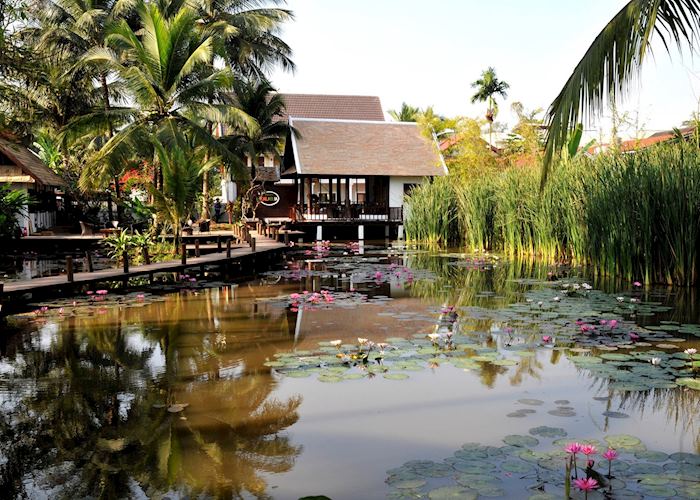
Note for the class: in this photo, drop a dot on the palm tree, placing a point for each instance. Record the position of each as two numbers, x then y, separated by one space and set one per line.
614 59
165 65
260 101
407 113
183 166
248 31
488 87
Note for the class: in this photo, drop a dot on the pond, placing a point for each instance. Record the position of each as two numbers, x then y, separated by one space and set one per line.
395 373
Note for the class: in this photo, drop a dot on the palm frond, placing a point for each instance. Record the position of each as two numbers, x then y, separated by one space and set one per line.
613 61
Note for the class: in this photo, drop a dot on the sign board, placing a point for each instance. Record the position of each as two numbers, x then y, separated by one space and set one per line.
269 198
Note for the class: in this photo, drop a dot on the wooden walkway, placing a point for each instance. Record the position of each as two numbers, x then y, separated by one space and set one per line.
263 246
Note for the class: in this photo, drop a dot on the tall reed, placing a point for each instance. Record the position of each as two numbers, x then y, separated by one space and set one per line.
632 215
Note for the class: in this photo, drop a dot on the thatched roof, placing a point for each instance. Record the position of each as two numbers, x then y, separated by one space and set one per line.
30 163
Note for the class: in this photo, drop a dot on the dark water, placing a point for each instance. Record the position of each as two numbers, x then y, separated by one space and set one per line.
145 396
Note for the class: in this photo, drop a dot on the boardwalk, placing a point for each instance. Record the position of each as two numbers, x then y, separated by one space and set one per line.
263 246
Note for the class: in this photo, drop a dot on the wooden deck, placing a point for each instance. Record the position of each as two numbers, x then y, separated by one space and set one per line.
263 246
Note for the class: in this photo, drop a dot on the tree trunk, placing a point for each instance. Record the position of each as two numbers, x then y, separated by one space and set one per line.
206 214
118 197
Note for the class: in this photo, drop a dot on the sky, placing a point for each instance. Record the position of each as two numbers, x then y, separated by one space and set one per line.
428 53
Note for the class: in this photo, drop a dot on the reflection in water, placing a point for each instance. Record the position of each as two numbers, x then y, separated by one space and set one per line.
168 395
174 396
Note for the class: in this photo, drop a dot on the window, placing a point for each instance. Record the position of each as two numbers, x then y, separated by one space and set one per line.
261 161
407 188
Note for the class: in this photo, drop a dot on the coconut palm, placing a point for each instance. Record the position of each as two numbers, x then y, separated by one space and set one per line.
249 39
165 65
487 88
614 59
407 113
182 166
259 100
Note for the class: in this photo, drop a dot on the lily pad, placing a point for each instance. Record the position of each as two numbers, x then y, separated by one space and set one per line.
521 441
548 432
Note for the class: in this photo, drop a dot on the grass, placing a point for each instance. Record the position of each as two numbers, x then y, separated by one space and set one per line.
636 216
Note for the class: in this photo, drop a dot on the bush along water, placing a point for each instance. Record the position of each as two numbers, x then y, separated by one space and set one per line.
632 215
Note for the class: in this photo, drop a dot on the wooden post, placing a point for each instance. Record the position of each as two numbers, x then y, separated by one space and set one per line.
286 237
228 249
196 247
183 251
125 256
69 268
88 260
146 257
309 193
218 243
252 244
2 289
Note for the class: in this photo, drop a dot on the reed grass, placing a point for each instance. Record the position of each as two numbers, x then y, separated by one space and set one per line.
636 216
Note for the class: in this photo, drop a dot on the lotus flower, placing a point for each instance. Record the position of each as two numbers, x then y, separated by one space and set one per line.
637 284
294 296
546 339
612 323
655 361
691 351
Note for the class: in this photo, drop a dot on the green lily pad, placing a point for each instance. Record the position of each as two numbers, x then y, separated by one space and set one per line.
410 484
622 441
450 492
395 376
548 432
521 441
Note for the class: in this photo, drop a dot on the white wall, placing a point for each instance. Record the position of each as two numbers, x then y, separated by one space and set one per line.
396 188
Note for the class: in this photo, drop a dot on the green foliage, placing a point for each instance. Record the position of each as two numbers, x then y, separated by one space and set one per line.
432 215
636 216
118 243
407 113
12 205
613 60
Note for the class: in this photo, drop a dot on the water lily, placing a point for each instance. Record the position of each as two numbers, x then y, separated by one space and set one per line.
620 299
586 286
336 343
362 341
588 449
655 361
295 296
546 339
556 299
586 485
573 448
612 323
691 351
634 337
637 284
610 455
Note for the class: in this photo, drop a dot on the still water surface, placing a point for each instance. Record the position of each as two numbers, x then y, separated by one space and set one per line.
172 394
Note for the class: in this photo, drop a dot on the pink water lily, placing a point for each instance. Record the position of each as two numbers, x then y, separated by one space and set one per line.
546 339
634 337
589 449
586 485
612 323
101 292
294 296
637 284
610 455
573 448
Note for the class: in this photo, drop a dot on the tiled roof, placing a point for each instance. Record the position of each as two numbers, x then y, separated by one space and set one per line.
338 107
637 144
360 148
30 163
